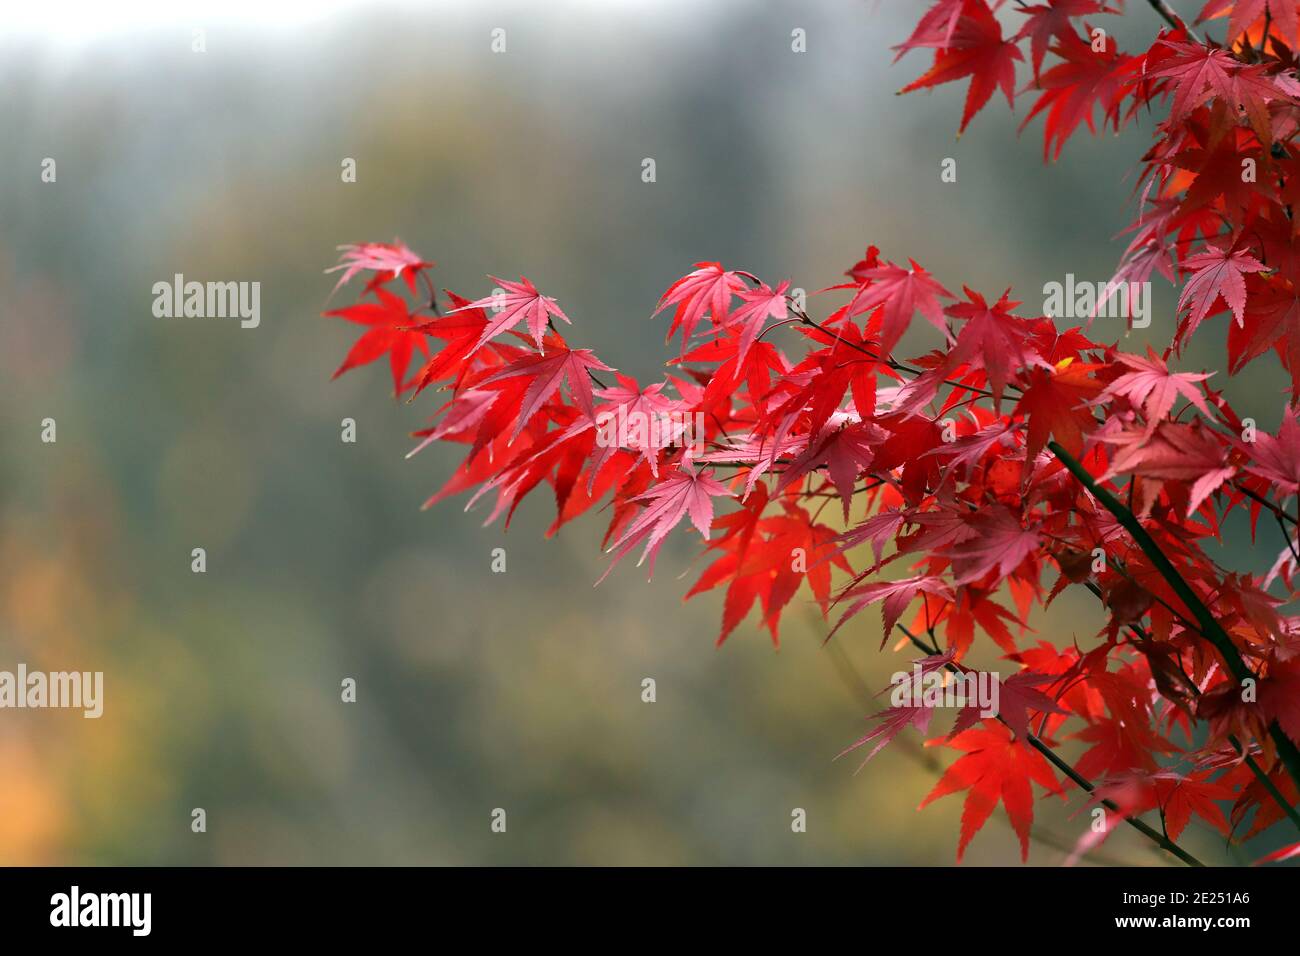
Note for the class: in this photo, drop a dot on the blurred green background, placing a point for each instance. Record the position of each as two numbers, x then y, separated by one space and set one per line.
476 690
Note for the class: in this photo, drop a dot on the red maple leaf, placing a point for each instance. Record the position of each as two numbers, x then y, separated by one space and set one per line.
896 595
1277 460
993 768
1197 73
757 306
683 493
992 339
545 373
388 260
708 289
520 303
903 292
1055 405
977 50
1084 79
1054 20
1151 387
1216 272
391 333
1247 12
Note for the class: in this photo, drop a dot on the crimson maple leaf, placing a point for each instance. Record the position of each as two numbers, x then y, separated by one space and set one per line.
1171 452
1272 320
389 260
997 541
977 50
903 292
1054 21
1247 12
896 595
892 723
461 332
708 289
844 447
391 333
683 493
1217 271
520 303
992 339
993 768
1017 696
935 28
1153 388
1197 73
546 372
1277 460
1072 88
758 305
1054 404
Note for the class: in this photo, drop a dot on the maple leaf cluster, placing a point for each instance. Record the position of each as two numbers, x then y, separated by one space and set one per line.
962 488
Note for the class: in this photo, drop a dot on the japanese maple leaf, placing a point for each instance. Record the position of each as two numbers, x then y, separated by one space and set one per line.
903 292
1198 73
1054 405
1277 460
1182 796
1246 12
1216 272
546 373
708 289
757 561
1171 452
461 332
1272 318
896 595
1054 20
521 303
632 403
390 334
978 51
992 339
892 722
760 362
757 306
684 493
876 530
388 259
844 447
1018 695
935 28
1120 744
993 768
998 542
1153 388
1070 89
1251 91
459 417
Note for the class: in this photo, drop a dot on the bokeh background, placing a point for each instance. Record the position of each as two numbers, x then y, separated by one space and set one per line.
476 690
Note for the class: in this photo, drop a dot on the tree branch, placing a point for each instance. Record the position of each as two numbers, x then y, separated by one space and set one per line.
1209 626
1171 17
1081 781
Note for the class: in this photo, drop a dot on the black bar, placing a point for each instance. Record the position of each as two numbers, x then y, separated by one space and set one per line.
331 906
